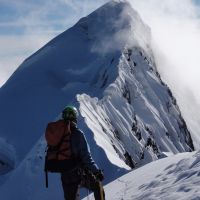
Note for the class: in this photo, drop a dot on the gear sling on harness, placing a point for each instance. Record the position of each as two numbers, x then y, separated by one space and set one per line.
91 183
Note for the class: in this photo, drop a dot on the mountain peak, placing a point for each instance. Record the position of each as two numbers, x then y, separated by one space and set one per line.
101 66
118 22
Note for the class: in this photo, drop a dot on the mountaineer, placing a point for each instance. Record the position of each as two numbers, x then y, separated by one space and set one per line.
68 153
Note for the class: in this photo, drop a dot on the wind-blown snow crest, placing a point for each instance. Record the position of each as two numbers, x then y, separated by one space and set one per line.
138 114
175 177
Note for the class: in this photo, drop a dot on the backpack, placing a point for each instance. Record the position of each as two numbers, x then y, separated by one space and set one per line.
59 157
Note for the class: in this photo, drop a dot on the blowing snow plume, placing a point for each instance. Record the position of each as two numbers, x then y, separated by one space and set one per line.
128 113
175 30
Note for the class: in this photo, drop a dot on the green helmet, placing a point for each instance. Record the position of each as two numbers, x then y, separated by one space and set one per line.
70 113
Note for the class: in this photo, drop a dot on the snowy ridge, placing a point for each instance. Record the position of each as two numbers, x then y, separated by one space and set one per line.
138 113
103 65
175 177
81 60
28 180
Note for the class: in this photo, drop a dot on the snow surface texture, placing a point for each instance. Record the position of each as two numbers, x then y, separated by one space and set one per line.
103 65
175 177
7 157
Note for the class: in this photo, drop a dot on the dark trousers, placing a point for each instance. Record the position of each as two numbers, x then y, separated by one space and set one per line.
72 182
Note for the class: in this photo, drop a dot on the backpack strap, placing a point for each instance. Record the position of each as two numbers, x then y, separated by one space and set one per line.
68 128
46 179
65 139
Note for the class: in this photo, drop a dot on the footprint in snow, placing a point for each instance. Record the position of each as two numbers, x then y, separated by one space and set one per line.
185 175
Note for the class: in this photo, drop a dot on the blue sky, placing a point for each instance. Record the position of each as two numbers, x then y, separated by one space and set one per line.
17 16
25 26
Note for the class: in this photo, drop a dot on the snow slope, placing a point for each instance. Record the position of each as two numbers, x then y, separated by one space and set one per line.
175 177
103 65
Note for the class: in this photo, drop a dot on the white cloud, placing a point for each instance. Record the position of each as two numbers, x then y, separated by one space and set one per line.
175 28
36 27
15 49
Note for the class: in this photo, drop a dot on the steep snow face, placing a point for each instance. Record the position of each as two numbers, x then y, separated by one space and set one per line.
28 180
104 66
138 115
7 157
175 177
46 82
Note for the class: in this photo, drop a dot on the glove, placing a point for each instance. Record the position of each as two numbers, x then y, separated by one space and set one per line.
99 175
